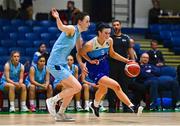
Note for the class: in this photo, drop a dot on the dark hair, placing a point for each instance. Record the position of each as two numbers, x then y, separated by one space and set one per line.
154 41
70 2
101 26
116 21
40 46
41 56
80 16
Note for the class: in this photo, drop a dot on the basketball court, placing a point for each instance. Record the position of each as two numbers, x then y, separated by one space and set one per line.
128 119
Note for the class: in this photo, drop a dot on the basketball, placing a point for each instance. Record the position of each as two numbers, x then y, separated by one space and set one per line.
132 69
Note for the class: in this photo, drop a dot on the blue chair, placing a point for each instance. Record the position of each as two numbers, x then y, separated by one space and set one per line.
155 28
176 50
175 27
9 29
3 51
21 50
32 36
165 35
24 29
176 33
24 59
47 23
30 51
39 29
8 43
5 22
47 37
4 59
1 68
175 41
24 43
92 28
17 22
51 43
17 36
53 30
4 36
168 71
37 43
32 23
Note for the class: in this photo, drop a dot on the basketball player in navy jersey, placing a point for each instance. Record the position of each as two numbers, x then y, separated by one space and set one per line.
57 63
96 53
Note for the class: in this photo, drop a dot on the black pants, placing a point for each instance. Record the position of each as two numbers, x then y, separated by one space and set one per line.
117 73
138 91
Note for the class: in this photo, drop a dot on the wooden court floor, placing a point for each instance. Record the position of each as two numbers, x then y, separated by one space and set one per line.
88 119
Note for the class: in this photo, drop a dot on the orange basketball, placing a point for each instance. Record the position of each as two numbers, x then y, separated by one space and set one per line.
132 69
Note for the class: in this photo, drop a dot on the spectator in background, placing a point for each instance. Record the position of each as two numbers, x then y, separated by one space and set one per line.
155 55
71 12
38 79
154 82
42 50
121 45
10 8
27 5
154 12
74 70
12 80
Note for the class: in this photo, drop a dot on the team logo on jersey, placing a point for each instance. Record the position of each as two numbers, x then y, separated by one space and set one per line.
124 40
107 43
102 52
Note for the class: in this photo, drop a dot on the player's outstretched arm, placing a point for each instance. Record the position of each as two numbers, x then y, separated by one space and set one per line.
68 29
115 55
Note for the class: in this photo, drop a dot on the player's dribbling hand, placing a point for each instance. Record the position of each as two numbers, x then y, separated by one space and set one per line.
55 14
95 61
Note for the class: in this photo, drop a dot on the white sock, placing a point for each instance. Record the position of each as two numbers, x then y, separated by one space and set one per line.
12 103
56 98
61 110
78 104
86 102
130 105
96 104
31 102
23 103
101 103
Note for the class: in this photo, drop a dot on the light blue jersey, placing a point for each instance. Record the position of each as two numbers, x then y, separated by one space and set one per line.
101 53
14 74
62 48
58 57
39 76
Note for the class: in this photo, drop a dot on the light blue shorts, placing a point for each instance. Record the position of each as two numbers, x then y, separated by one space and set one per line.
59 72
55 83
2 87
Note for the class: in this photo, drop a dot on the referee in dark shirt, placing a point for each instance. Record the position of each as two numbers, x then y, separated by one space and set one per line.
121 45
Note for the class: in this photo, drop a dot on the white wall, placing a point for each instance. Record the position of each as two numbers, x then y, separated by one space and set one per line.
141 14
46 5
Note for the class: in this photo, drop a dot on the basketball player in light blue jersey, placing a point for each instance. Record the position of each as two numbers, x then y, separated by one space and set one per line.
38 79
96 52
12 80
73 69
69 37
